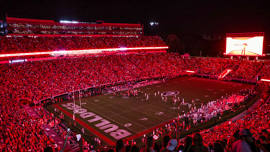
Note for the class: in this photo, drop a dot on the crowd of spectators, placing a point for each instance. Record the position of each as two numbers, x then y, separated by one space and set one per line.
265 71
209 66
42 79
257 122
39 80
19 44
248 134
51 27
35 81
214 108
19 130
245 70
32 82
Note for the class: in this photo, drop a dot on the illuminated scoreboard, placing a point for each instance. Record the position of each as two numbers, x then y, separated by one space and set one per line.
244 44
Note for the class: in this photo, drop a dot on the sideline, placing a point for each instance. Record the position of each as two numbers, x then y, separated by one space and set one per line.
85 125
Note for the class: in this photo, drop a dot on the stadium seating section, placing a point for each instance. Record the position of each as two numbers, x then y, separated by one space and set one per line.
21 44
50 27
39 80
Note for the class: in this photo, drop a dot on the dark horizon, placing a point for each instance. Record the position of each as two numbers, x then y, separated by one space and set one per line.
193 17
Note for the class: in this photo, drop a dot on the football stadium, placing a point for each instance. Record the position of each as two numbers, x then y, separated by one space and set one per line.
95 86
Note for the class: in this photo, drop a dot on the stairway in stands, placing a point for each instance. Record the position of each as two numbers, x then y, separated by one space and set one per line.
224 73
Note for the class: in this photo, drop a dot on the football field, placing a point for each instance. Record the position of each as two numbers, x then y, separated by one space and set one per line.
118 116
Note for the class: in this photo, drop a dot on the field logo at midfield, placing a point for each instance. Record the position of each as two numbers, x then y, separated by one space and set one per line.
104 125
170 93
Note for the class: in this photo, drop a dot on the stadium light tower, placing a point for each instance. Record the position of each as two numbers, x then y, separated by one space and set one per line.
68 21
3 24
153 27
153 23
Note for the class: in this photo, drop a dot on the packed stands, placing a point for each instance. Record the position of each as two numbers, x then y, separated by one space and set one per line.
19 130
50 27
247 70
41 79
256 121
19 44
223 137
102 70
242 70
34 81
209 66
265 71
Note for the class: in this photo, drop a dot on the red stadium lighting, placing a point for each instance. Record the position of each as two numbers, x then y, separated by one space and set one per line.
87 51
190 71
265 80
17 61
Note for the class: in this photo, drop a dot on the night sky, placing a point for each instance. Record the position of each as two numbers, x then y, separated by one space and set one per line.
182 16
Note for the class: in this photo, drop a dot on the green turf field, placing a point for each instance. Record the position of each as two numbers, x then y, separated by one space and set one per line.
135 115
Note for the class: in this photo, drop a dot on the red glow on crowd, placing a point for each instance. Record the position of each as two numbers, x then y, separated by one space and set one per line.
81 52
87 60
265 80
